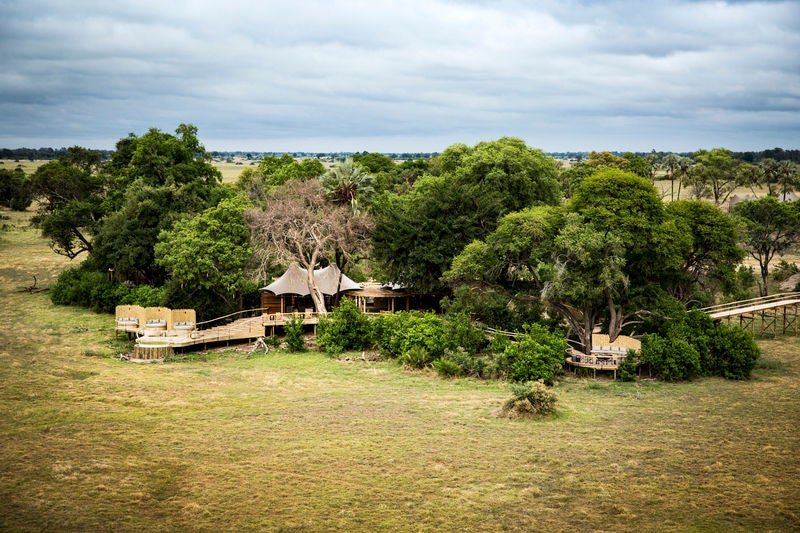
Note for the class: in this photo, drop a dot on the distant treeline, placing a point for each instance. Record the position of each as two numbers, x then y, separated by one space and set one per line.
778 154
257 156
43 153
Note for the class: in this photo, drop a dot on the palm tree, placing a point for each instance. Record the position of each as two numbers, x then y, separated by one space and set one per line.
788 177
670 164
769 170
682 170
348 183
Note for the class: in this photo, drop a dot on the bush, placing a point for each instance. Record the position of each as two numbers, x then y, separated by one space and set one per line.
784 270
627 368
733 352
469 364
397 333
295 341
530 398
447 368
86 288
460 332
144 295
537 355
673 357
416 357
346 328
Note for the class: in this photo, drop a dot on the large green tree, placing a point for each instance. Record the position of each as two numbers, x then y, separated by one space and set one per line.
713 252
600 259
273 171
15 189
72 195
418 234
716 169
768 228
208 253
589 277
157 179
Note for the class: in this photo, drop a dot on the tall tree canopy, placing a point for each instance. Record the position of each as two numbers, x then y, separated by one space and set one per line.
768 228
275 171
72 193
418 234
713 252
157 179
603 257
208 253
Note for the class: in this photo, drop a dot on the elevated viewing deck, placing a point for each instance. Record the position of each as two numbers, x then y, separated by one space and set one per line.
768 315
159 330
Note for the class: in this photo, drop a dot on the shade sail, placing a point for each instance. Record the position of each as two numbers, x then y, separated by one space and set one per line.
294 281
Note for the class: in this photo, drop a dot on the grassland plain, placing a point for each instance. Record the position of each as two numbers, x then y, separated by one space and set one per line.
301 442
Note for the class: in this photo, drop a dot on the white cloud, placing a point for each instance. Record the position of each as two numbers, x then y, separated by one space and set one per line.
563 75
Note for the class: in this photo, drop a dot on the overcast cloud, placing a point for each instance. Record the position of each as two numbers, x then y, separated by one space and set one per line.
411 75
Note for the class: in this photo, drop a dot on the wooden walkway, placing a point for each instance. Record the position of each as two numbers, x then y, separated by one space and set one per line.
769 315
244 328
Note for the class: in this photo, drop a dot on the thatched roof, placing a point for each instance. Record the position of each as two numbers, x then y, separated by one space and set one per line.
294 281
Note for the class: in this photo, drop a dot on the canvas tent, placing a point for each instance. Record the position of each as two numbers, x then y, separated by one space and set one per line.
330 281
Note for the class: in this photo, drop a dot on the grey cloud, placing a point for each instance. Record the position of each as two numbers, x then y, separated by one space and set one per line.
667 75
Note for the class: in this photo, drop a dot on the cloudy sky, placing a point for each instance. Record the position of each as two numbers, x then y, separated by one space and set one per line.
405 75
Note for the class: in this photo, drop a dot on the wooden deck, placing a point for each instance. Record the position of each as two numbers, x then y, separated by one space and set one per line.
605 355
236 330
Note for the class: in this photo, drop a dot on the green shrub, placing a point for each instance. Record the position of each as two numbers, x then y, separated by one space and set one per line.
272 340
144 295
295 341
474 365
530 398
397 333
627 368
346 328
447 368
498 343
416 357
81 287
537 355
673 357
733 351
460 332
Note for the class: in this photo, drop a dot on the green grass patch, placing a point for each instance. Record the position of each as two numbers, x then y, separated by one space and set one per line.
236 441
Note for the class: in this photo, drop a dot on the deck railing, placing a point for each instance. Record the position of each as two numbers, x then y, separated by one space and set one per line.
744 304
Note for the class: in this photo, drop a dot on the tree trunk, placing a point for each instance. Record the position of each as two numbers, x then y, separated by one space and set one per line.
763 289
615 319
316 294
582 323
588 330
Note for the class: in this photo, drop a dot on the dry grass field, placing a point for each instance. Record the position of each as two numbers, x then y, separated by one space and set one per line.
230 171
300 442
28 166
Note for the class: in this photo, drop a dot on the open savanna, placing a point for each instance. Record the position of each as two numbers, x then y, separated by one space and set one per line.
301 442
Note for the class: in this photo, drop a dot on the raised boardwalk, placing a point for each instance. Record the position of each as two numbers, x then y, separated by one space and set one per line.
243 325
768 315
